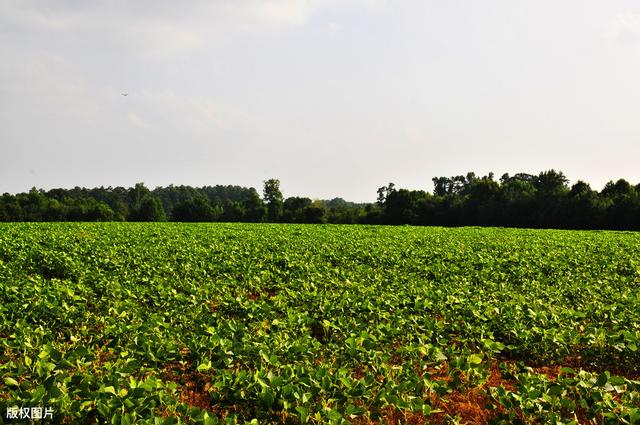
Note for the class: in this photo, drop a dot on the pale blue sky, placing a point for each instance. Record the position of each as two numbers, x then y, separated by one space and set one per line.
333 97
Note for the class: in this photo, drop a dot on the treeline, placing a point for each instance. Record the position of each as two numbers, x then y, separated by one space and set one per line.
545 200
177 203
523 200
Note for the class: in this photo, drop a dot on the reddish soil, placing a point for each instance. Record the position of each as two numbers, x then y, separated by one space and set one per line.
358 372
441 373
495 379
551 372
577 363
104 356
472 406
269 292
193 387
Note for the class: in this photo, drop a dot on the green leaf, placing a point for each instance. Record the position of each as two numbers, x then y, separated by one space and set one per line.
11 382
267 398
303 412
567 371
555 390
602 379
126 419
203 367
474 359
334 415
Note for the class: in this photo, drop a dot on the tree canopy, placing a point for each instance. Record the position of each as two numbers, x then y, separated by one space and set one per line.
545 200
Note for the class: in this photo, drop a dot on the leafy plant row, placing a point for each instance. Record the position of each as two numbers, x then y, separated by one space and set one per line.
239 323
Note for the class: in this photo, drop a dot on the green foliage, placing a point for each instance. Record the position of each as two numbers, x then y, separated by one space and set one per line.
196 210
522 200
149 209
273 198
303 210
238 323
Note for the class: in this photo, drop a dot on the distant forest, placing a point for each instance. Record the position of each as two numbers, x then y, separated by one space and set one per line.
545 200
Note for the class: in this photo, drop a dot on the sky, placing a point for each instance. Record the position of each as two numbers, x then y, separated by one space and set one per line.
333 97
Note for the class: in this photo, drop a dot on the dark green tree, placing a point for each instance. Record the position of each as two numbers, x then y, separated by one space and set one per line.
254 209
137 194
384 192
294 209
551 182
197 209
273 198
623 205
10 209
150 209
315 214
481 201
584 209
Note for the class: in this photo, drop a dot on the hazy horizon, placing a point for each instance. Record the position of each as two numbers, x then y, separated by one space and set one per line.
334 98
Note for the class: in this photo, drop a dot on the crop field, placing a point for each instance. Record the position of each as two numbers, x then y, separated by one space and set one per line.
261 323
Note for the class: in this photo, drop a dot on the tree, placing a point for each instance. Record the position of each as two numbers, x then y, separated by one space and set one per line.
315 213
294 209
516 199
33 204
254 209
623 210
400 206
384 192
580 188
520 200
99 211
583 208
274 199
150 210
441 186
618 189
10 209
481 201
137 194
551 182
195 210
232 211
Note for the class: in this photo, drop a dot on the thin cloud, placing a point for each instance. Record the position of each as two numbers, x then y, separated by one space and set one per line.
47 82
139 122
163 29
188 115
625 29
